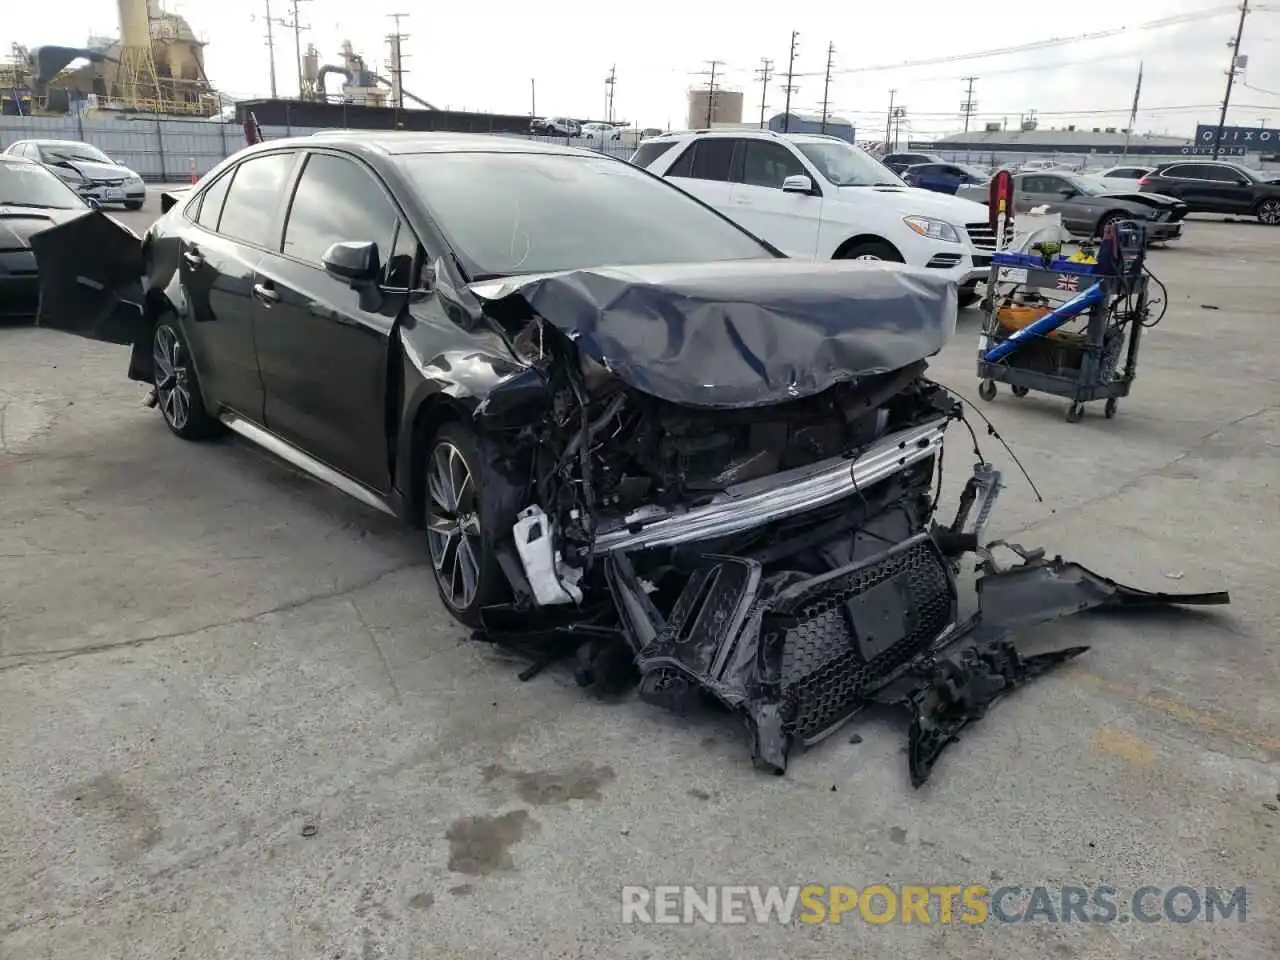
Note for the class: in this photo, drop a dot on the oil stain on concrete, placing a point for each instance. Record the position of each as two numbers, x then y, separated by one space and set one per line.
482 845
136 821
549 787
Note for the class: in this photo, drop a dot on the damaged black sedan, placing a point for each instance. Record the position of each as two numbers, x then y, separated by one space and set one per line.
635 435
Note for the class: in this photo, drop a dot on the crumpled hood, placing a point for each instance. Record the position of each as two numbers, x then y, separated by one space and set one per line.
743 333
17 224
1146 199
923 203
99 171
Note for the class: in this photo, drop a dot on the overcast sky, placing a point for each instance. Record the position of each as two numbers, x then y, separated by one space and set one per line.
483 56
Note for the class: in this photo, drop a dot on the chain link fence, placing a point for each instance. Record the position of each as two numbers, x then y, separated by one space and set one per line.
175 151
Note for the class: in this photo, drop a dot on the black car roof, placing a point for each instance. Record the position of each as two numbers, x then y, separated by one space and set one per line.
399 143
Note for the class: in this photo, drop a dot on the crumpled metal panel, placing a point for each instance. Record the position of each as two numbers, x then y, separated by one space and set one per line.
743 333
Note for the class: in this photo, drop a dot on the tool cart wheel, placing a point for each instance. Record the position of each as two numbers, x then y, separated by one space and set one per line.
1019 391
1109 410
987 390
1075 413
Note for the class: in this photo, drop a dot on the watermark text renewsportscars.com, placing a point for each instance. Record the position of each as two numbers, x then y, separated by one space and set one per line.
933 904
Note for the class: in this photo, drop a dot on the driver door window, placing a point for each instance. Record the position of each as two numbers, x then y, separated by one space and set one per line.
768 164
337 201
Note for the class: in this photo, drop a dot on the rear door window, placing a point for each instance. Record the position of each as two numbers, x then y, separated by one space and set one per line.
249 211
713 158
337 201
211 202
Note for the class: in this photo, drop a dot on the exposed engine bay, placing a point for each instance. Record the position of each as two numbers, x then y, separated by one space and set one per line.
784 559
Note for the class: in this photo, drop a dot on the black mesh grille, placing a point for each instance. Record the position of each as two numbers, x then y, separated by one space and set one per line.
824 676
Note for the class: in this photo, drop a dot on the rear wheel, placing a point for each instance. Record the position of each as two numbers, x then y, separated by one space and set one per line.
870 250
177 388
1269 212
459 540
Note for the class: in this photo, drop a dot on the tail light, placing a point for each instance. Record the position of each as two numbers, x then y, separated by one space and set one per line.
1144 180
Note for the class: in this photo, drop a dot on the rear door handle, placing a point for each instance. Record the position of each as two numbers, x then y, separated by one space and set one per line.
193 259
265 294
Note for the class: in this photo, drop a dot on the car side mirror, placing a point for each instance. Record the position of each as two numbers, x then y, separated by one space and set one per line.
797 184
353 263
1068 192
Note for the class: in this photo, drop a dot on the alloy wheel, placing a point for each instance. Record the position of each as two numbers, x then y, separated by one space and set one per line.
1269 212
867 256
172 377
453 525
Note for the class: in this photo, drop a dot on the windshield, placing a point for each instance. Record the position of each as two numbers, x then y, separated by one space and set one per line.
29 185
1084 187
846 166
975 172
520 213
73 152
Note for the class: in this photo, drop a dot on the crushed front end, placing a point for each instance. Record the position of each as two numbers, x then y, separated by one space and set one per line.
782 557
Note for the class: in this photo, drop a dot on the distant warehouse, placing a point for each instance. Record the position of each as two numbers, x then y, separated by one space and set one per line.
1069 141
812 123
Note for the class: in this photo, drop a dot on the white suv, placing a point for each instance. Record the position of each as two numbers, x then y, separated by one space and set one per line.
818 197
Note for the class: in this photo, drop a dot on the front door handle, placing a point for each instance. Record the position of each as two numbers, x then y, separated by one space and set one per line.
265 294
194 260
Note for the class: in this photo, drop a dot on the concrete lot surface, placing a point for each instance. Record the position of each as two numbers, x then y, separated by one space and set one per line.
235 721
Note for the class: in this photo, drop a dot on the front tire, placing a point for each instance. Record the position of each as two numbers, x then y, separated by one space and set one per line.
968 295
871 250
460 538
177 387
1269 212
133 204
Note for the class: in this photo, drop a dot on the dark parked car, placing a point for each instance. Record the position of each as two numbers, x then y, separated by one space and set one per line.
897 162
1087 208
631 430
943 177
31 199
1216 187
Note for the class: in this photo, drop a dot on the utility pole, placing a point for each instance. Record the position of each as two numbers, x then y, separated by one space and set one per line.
790 87
271 49
396 64
968 105
898 114
1231 76
533 98
763 75
888 123
711 88
297 40
609 82
826 86
1133 113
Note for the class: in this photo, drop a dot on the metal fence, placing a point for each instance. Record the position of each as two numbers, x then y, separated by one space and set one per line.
1079 162
169 151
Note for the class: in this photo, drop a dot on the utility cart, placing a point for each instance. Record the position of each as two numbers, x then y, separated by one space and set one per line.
1058 325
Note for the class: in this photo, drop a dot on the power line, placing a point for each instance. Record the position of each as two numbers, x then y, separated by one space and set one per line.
826 85
763 75
968 105
1231 76
790 87
1173 21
